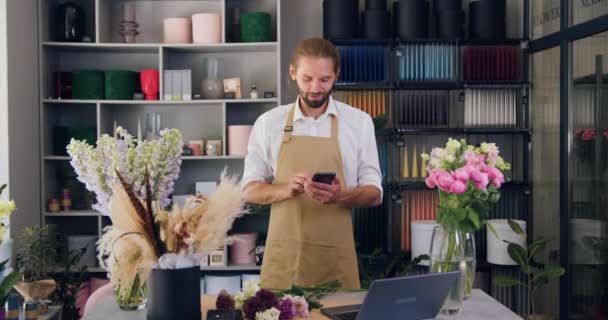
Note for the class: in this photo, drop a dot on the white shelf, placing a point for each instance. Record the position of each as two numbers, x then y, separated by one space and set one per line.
57 158
213 157
74 213
232 268
160 102
155 47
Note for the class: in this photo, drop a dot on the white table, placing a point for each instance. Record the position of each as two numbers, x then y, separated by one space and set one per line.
479 307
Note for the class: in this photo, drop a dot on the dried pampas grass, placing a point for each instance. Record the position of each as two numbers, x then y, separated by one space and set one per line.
222 208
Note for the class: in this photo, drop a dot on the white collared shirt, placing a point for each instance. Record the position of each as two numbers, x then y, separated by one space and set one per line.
356 137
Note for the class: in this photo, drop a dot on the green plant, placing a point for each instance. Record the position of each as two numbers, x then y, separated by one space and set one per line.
535 275
69 283
37 252
381 265
7 283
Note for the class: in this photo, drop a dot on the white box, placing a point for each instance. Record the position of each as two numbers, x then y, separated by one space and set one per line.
186 85
177 85
206 188
168 85
217 258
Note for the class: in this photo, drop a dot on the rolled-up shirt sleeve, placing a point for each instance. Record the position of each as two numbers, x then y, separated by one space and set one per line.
257 161
368 172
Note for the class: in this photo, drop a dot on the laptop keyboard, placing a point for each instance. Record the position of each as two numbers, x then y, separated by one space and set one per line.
347 315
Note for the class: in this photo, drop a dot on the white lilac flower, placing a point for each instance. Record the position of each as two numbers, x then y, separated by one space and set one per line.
452 146
96 166
268 314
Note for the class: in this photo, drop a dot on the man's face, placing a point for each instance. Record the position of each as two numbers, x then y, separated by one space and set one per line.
315 79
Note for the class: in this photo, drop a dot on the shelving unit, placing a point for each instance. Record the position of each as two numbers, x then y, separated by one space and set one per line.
254 63
425 105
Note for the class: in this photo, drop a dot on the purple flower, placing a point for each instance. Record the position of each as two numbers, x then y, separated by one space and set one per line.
267 299
224 301
287 308
252 306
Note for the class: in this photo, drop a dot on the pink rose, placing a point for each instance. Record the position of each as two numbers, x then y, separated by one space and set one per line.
498 180
461 174
431 180
578 132
492 172
483 183
444 181
606 134
588 134
458 187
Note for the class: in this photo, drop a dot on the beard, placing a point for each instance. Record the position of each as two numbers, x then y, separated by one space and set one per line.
315 104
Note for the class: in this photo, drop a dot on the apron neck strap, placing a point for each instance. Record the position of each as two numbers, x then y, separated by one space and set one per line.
288 130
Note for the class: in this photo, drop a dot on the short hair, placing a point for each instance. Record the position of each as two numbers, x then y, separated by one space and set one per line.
316 48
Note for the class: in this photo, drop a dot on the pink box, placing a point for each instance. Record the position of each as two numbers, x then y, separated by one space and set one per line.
207 28
238 139
177 30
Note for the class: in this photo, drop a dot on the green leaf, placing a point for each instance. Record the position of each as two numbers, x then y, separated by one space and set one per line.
515 227
494 197
528 269
492 230
459 214
517 253
504 281
7 285
548 274
474 218
538 245
2 188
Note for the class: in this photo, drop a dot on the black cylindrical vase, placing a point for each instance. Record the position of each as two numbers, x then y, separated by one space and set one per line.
396 18
447 5
413 19
69 22
491 19
473 20
376 24
449 24
375 5
340 19
174 294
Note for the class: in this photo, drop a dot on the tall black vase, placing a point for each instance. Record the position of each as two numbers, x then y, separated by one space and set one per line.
174 294
69 22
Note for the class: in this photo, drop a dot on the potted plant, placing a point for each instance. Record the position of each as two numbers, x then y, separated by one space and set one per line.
6 285
535 275
34 261
69 284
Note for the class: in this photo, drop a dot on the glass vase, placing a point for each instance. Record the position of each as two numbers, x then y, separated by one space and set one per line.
470 256
131 296
447 254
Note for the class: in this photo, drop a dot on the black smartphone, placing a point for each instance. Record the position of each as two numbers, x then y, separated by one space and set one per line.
324 177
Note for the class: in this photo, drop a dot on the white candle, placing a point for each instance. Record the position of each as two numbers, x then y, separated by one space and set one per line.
114 129
138 129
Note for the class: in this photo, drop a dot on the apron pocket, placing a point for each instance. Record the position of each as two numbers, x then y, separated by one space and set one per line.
317 264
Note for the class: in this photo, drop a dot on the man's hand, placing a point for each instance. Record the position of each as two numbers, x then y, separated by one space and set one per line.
295 185
322 192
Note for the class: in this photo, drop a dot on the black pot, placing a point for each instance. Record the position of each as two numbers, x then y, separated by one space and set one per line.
473 17
490 20
375 5
413 19
69 22
449 24
174 294
340 19
376 24
447 5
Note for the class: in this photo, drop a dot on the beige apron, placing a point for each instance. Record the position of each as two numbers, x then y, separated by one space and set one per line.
309 243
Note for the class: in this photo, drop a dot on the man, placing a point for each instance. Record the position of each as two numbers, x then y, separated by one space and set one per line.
310 239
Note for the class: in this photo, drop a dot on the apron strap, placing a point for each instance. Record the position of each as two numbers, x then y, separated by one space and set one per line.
288 130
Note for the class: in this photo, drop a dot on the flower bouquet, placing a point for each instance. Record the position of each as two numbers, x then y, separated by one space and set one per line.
468 179
256 303
584 141
132 180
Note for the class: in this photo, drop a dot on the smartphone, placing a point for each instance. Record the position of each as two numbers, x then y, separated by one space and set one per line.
324 177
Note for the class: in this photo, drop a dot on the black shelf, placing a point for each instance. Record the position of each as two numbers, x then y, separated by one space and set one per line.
495 84
432 85
463 131
417 185
359 41
362 85
481 42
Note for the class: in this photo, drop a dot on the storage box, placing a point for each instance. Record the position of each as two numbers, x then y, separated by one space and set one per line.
168 85
186 82
177 85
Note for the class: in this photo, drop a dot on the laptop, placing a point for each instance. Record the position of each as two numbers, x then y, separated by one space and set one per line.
412 297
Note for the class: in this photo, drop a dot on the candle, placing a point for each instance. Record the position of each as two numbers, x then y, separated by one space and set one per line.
114 129
138 129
